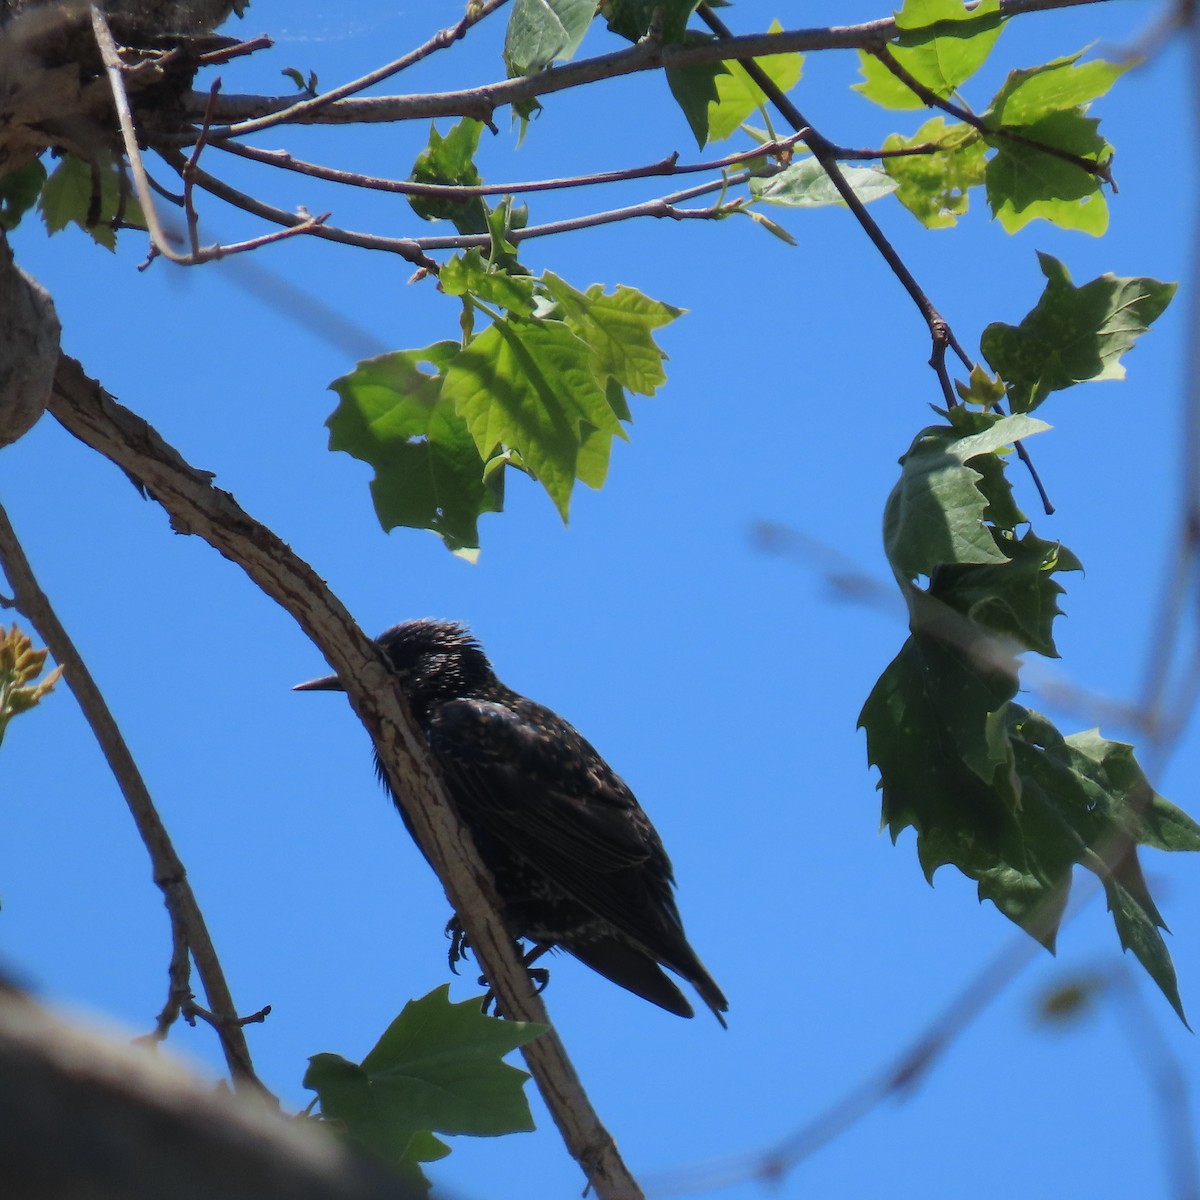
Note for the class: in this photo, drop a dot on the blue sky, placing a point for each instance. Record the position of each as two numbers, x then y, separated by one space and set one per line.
722 682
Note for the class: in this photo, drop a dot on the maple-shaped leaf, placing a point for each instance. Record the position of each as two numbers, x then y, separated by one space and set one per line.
1025 182
1073 334
717 97
1031 93
619 328
541 32
1018 598
934 187
935 513
437 1069
531 385
942 44
428 472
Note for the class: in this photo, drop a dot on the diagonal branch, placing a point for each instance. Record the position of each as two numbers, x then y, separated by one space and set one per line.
196 507
187 921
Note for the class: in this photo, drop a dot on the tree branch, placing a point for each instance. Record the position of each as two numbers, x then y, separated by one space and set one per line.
196 507
169 873
242 113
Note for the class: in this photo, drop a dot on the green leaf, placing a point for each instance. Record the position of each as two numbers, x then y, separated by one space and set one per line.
91 199
437 1068
1025 183
804 184
450 160
19 192
1093 791
619 328
1073 334
631 18
470 274
717 97
1032 93
543 31
428 472
942 44
531 385
982 389
1017 599
930 724
935 513
934 187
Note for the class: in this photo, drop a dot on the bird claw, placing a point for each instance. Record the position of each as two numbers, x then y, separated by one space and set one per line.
458 943
539 977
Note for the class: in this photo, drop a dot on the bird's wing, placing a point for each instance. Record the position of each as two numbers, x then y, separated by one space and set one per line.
531 781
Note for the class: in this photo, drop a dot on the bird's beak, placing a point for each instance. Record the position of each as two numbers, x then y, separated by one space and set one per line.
330 683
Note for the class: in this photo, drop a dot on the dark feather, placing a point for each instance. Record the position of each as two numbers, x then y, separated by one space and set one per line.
576 861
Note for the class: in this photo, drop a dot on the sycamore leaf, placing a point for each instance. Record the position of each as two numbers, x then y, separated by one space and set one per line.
543 31
1025 183
428 472
934 187
619 328
805 184
1088 796
1032 93
1018 598
531 385
470 274
717 97
942 44
451 160
935 513
19 192
1073 334
88 195
631 18
437 1068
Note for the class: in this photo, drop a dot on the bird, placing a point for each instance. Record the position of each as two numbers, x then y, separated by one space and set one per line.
577 864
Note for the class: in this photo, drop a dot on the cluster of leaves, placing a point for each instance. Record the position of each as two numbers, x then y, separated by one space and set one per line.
20 665
437 1069
1026 147
95 196
541 387
989 786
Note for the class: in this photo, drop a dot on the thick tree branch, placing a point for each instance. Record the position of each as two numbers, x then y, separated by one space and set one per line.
242 114
187 921
196 507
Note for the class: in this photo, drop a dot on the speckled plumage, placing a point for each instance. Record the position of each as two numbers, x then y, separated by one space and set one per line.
576 861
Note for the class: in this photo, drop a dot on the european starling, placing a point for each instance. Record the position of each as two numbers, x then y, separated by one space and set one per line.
577 864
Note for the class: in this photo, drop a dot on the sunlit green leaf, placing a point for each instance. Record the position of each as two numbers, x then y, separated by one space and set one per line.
1073 334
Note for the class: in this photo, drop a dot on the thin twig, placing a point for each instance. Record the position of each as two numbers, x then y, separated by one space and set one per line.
115 70
461 191
305 110
169 872
196 507
299 222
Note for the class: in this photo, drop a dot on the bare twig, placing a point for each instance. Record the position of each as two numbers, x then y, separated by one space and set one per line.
305 110
195 506
461 191
299 222
169 874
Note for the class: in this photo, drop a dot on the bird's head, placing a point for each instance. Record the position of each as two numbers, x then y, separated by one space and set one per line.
432 660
